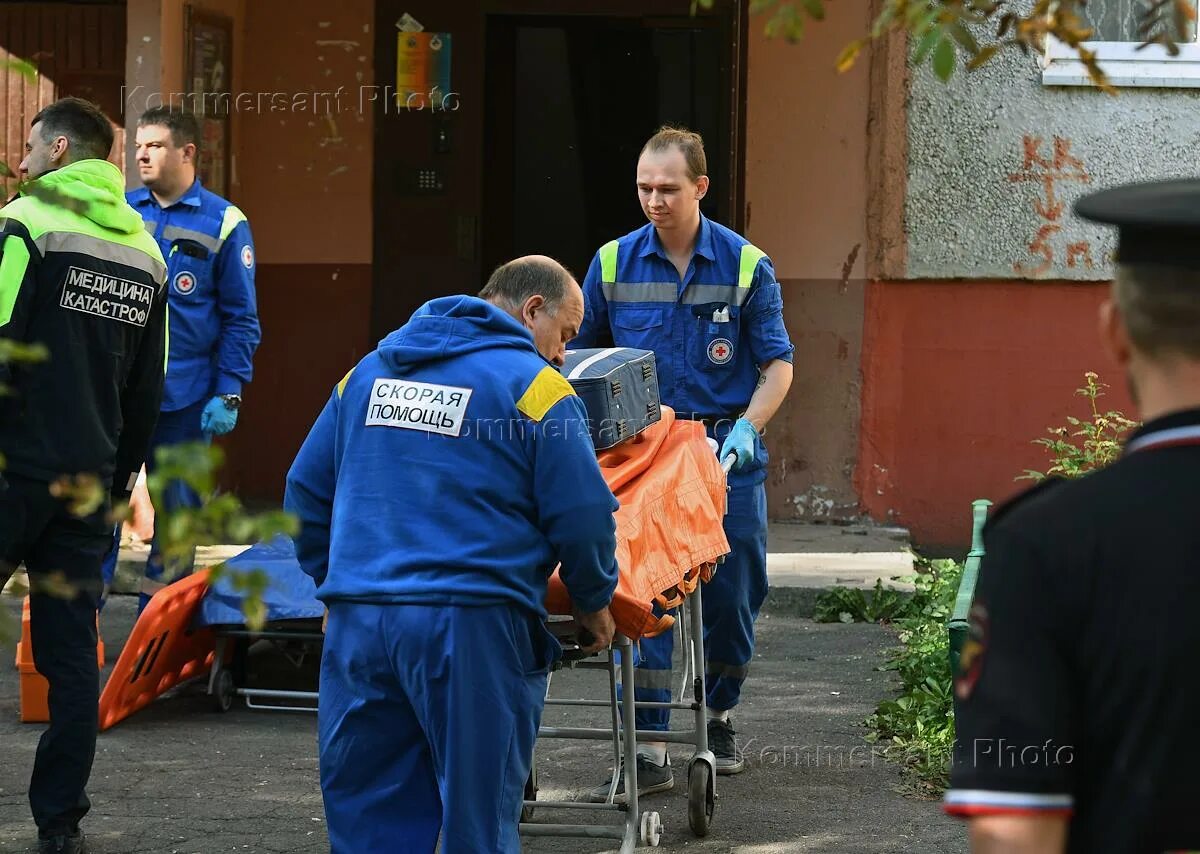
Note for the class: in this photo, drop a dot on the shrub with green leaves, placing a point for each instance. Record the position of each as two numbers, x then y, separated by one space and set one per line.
1085 444
853 605
916 729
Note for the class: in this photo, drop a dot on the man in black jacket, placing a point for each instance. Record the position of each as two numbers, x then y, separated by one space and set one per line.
1077 690
79 275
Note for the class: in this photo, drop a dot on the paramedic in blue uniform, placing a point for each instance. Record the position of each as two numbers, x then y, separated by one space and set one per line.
448 474
706 301
213 318
1076 696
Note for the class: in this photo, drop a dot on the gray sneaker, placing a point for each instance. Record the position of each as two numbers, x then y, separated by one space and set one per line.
722 741
651 778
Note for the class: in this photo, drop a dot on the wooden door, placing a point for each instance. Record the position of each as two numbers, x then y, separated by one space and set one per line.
72 50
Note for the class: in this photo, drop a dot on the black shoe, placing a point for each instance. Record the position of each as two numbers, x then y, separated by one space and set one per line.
722 741
651 778
74 843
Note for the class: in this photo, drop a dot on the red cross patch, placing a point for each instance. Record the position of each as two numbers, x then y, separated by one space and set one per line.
184 282
720 351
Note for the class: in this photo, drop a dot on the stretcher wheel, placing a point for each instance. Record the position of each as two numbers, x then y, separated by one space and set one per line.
531 790
224 691
700 798
651 829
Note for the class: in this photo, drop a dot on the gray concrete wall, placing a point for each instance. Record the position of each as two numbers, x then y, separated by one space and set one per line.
997 159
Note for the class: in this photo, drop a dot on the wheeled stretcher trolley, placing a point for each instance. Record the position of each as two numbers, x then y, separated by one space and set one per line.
618 663
670 538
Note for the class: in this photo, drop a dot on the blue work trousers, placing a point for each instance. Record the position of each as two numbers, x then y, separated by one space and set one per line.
173 428
427 720
732 601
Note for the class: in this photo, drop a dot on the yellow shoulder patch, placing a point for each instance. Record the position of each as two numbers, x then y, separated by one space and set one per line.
341 387
232 219
608 262
748 262
547 389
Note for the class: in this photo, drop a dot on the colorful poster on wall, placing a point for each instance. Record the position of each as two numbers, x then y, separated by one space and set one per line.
422 70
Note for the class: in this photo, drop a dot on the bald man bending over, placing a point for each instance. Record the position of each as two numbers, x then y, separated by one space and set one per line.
449 473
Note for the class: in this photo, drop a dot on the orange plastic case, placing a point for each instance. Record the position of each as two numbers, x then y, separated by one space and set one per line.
34 689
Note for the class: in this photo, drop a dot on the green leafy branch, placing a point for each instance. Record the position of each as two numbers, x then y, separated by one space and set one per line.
29 71
944 30
220 519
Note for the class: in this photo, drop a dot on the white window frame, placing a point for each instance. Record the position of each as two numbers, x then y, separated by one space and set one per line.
1124 64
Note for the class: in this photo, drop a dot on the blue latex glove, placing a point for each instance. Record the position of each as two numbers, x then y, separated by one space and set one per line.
217 419
740 442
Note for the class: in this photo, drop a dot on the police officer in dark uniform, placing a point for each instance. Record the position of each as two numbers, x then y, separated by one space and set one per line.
1077 694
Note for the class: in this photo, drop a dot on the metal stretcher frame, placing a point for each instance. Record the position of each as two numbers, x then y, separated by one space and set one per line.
645 827
223 685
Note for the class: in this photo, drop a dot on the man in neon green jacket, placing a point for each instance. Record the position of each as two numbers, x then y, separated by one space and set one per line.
79 275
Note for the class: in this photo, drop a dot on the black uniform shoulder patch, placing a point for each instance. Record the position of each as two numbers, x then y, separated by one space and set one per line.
1040 488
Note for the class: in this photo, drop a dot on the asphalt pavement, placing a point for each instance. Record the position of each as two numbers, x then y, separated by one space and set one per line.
182 778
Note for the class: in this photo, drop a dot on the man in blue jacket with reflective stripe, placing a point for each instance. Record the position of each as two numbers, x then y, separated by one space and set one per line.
706 301
213 320
448 474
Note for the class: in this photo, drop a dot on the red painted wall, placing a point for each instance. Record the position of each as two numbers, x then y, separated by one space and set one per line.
958 379
318 331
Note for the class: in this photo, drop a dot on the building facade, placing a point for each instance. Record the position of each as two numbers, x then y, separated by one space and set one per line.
940 294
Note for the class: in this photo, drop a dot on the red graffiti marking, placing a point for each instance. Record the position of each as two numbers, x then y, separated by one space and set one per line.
1077 251
1040 247
1060 166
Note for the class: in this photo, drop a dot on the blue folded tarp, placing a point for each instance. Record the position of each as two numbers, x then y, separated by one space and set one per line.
290 594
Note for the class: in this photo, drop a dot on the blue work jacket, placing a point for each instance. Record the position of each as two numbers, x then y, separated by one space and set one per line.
214 328
710 331
453 466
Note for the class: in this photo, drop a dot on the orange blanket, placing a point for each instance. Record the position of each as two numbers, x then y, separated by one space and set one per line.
669 526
